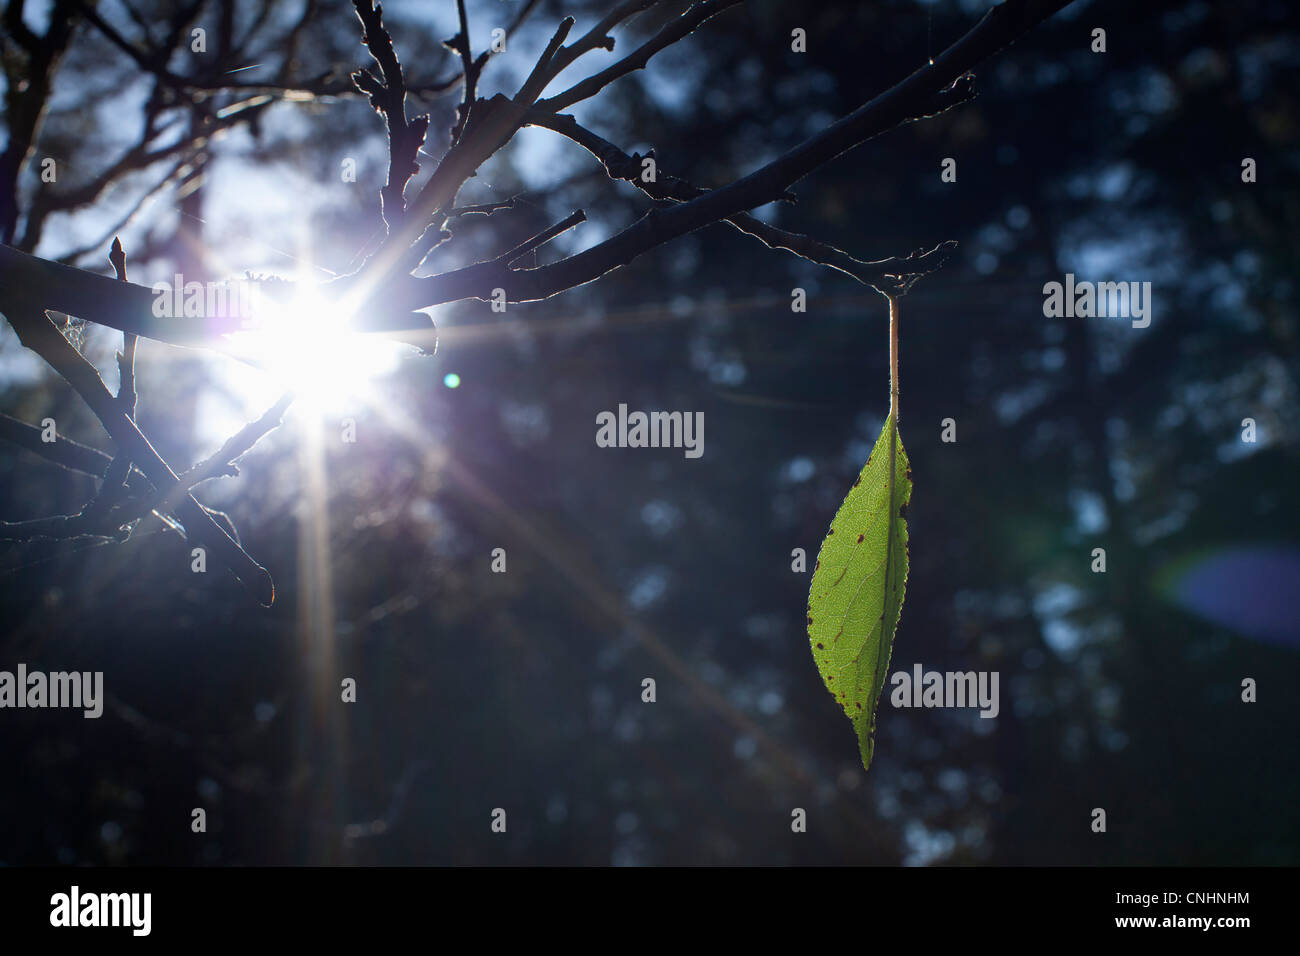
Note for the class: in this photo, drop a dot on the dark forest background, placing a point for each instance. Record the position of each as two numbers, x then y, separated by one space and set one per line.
523 690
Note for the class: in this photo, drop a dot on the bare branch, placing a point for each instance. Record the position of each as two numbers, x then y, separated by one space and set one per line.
71 258
930 89
38 333
389 98
469 70
136 158
114 485
28 80
126 395
539 240
223 462
55 526
63 451
482 209
598 36
540 75
670 34
327 84
888 276
97 519
124 306
29 286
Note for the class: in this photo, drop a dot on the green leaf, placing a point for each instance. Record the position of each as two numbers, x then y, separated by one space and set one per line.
858 584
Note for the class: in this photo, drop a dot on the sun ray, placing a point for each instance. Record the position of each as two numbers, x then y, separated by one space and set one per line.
322 749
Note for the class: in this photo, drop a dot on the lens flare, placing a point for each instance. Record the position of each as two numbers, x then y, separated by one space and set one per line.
306 345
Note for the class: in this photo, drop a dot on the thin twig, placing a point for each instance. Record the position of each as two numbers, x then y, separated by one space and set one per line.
892 276
222 462
114 485
540 75
38 333
539 240
482 209
598 37
683 26
469 70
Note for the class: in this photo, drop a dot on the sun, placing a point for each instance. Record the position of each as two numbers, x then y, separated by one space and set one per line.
307 345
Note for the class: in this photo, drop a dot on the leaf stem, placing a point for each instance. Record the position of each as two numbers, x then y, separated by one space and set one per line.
893 359
883 651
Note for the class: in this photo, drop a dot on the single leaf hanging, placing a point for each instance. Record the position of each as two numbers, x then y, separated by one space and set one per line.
858 582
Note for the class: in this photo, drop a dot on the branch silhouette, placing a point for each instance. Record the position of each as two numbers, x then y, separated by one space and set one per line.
387 295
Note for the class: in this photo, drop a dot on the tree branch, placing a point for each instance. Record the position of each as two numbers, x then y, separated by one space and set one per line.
926 91
56 526
540 75
539 240
63 452
469 70
679 28
126 394
222 462
598 37
890 276
482 209
389 99
38 333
